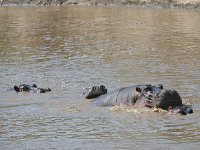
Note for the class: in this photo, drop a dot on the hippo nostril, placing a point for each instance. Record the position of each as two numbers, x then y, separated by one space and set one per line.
190 111
183 112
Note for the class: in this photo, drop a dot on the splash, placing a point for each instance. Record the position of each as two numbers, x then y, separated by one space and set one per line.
131 109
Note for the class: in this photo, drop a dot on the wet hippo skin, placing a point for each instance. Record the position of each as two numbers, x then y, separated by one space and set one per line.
30 88
152 96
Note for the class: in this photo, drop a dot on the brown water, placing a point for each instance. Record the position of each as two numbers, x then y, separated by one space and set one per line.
70 48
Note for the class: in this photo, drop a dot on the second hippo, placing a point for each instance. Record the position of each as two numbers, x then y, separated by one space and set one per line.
147 95
30 88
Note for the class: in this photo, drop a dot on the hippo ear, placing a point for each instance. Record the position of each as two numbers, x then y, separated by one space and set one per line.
161 86
138 89
16 88
48 89
102 87
34 85
94 88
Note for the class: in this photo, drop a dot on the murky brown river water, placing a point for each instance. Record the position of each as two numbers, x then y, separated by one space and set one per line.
70 48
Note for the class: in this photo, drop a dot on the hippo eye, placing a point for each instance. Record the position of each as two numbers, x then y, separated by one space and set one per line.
148 89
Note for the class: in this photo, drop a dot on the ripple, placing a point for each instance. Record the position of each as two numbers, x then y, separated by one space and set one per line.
70 48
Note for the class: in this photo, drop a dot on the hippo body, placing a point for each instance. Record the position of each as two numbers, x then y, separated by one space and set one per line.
116 97
139 96
30 88
124 96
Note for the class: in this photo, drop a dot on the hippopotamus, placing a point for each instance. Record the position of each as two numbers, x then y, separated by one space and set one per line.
30 88
139 96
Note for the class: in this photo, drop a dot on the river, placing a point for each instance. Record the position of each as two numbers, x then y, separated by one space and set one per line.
70 48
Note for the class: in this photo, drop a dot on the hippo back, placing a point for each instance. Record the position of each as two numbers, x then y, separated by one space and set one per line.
123 96
126 96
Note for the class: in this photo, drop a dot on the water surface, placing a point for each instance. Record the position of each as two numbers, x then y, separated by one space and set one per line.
70 48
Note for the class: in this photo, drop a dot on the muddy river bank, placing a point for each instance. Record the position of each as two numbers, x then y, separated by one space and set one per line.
191 4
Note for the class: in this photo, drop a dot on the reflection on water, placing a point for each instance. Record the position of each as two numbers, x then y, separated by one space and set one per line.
70 48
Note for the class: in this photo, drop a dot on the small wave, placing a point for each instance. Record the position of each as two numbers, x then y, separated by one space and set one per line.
135 110
69 109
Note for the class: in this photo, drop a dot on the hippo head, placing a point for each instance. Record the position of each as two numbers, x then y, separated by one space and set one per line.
21 88
147 93
149 90
182 109
30 88
95 91
160 98
156 96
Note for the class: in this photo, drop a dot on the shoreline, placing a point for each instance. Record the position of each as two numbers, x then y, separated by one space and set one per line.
184 4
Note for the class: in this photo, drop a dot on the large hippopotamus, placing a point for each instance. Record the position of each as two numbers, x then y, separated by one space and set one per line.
139 96
30 88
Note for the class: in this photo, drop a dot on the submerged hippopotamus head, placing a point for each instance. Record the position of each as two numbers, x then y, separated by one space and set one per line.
30 88
170 100
95 91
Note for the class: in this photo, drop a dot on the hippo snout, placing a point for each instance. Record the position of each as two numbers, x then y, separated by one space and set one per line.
95 91
187 109
180 110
